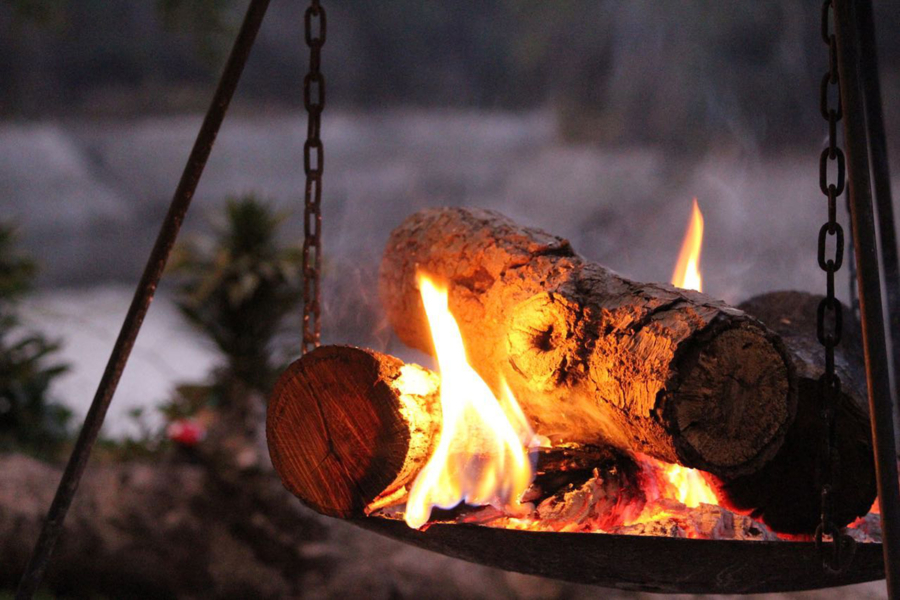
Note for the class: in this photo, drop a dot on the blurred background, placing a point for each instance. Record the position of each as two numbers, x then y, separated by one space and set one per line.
598 120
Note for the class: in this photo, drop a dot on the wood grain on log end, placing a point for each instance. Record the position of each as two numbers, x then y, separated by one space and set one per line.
340 433
744 370
785 493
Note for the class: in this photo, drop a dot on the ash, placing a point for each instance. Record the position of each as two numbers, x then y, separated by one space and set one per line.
597 506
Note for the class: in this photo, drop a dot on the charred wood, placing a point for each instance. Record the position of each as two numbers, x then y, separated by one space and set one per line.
592 357
785 493
349 430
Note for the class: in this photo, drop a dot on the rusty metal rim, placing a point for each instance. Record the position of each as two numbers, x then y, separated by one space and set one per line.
640 563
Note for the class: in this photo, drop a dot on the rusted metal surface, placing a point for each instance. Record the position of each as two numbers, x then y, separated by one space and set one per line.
315 30
881 172
640 563
143 296
838 552
869 278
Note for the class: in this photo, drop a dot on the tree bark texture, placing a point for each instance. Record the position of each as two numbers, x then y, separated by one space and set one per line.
592 357
785 493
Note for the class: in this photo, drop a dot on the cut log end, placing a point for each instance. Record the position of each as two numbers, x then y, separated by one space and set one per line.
745 371
340 432
785 493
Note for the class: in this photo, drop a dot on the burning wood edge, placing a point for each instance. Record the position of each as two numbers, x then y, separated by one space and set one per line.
349 430
592 357
342 434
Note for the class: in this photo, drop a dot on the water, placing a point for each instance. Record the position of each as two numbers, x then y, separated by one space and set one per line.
167 352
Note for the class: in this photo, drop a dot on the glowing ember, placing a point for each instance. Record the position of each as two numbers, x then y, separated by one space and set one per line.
692 489
482 456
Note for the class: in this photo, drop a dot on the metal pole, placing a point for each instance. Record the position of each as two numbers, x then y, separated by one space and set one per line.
871 312
881 174
68 485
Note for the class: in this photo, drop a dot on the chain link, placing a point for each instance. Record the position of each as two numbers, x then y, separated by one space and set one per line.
313 164
829 316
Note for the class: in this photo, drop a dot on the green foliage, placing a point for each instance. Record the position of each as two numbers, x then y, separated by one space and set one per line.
43 12
206 20
632 72
29 420
238 286
148 442
16 270
188 400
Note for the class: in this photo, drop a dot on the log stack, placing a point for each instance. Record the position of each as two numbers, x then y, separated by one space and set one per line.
349 429
591 356
594 360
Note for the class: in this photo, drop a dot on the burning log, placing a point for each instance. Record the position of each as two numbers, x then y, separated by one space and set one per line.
785 492
350 429
344 431
594 358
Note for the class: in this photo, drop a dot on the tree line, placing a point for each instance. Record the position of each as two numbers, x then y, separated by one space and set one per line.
616 71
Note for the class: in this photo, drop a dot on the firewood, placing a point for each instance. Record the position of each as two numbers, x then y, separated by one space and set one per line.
592 357
345 438
341 434
785 493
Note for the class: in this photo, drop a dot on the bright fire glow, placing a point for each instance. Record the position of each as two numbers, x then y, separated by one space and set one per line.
692 488
482 454
687 269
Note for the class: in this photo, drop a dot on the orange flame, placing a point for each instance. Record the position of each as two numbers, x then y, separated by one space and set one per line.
687 269
482 456
692 488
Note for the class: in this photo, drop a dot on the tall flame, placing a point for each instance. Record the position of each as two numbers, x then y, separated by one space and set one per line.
687 269
692 488
481 457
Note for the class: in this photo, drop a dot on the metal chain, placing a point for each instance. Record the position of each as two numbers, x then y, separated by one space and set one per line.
829 317
313 163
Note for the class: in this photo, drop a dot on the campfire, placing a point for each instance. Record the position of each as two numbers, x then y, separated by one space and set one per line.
568 400
482 456
580 425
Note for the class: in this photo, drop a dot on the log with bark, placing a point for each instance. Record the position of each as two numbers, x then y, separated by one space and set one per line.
349 430
595 358
785 492
342 433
